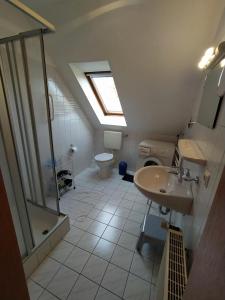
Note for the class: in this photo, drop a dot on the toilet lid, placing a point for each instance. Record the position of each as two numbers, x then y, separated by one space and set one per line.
104 157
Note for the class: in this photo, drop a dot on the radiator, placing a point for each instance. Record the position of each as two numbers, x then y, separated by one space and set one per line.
172 276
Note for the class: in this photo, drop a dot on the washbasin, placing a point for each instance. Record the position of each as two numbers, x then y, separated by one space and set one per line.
160 185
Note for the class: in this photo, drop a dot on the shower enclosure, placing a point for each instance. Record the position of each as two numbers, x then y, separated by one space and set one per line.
26 144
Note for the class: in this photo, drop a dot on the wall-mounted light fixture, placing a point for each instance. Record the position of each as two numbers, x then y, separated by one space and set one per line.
207 58
212 57
222 63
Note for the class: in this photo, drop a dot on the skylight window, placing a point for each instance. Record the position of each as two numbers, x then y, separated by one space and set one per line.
96 80
103 86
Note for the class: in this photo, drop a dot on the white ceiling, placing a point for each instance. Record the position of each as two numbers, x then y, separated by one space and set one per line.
153 48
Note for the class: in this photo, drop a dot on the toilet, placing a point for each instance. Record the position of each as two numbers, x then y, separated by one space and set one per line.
105 161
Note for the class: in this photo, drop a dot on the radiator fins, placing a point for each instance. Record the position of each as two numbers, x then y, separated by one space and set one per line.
177 277
173 275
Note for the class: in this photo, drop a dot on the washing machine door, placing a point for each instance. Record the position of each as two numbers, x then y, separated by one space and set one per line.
152 161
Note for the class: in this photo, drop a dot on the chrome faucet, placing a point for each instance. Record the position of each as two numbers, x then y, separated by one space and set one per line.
179 171
183 174
187 176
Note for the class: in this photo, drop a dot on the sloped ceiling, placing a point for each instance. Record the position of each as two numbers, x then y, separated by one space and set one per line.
153 48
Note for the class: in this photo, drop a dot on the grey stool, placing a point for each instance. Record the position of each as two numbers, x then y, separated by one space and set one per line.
151 229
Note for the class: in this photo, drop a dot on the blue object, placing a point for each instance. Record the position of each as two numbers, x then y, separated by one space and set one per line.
122 167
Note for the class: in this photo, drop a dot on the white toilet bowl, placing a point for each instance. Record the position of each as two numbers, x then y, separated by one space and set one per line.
112 141
104 161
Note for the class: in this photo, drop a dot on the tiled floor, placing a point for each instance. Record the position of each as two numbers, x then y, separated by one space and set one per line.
97 258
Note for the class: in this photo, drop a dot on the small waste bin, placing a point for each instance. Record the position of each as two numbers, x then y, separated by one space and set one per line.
122 167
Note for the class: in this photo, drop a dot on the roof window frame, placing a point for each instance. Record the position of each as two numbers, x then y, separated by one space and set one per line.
89 76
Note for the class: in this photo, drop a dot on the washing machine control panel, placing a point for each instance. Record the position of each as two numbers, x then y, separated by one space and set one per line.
158 148
160 152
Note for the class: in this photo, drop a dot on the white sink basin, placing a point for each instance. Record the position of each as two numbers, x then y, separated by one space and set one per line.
162 187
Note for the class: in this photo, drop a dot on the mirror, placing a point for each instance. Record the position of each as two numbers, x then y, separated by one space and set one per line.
210 102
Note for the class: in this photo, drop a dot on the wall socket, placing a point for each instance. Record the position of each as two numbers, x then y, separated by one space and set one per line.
206 177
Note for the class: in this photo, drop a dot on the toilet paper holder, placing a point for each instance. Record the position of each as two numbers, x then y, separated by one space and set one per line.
73 149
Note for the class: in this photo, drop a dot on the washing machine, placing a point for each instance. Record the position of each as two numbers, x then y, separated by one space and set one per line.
151 152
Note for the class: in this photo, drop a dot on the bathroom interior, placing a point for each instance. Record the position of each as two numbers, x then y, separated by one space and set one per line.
112 142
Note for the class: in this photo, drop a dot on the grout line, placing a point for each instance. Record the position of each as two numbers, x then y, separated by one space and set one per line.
91 206
80 273
79 276
108 261
76 245
108 223
108 201
105 272
49 293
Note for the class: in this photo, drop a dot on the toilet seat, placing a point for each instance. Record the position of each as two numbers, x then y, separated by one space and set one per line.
103 157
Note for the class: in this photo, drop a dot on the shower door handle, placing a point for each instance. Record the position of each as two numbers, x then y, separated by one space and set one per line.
52 111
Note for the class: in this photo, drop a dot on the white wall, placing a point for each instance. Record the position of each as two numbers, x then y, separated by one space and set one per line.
70 126
212 144
153 48
12 21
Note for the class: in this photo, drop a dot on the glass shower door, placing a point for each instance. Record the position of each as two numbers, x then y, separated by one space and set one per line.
27 112
26 99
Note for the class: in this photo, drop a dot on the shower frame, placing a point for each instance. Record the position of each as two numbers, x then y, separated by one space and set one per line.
20 198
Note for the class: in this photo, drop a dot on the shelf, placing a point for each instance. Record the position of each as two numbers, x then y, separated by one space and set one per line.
189 150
